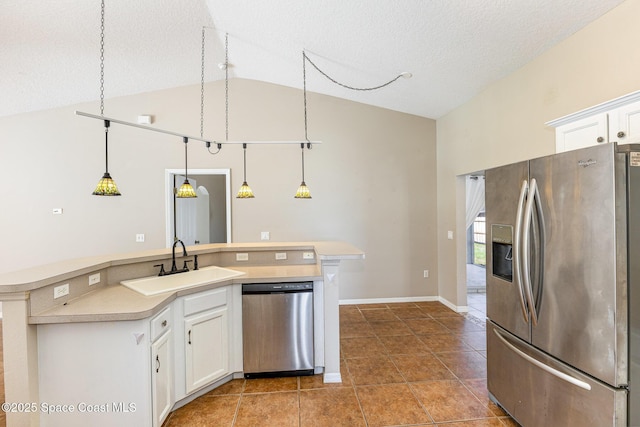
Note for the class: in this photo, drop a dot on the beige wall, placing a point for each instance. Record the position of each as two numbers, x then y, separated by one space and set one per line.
372 179
505 123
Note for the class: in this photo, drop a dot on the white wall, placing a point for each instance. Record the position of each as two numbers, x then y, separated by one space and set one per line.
373 179
505 123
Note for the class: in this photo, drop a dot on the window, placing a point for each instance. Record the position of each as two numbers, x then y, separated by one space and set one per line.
479 240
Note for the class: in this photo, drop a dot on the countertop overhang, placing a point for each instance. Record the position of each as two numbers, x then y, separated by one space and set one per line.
44 275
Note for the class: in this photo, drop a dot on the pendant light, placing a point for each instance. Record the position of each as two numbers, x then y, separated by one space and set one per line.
186 191
106 186
245 191
303 191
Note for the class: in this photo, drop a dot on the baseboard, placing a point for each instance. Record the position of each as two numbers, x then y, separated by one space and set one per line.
456 308
332 378
386 300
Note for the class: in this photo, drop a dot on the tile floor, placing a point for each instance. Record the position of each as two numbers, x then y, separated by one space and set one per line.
418 364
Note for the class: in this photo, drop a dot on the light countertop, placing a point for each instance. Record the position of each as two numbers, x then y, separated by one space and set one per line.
117 303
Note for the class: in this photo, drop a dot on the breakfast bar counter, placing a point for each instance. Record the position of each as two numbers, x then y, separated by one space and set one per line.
90 291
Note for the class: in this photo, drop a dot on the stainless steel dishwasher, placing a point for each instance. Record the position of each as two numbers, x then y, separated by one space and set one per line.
277 329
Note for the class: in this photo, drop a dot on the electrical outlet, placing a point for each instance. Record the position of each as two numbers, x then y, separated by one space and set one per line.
242 257
450 235
281 255
60 291
426 273
307 255
94 278
264 235
140 238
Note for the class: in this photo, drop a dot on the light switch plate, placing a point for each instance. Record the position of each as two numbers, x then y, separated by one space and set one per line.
264 235
307 255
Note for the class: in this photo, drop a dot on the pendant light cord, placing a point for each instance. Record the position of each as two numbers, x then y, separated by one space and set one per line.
244 168
302 146
186 174
106 146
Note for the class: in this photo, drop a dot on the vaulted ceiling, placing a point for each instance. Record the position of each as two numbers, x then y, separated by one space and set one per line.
49 51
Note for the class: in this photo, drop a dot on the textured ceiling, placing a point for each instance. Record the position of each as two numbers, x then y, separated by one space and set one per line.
49 51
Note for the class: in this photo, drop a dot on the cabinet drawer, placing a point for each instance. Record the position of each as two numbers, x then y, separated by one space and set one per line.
204 301
160 323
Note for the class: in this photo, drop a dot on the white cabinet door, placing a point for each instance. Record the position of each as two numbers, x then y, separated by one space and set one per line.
624 124
582 133
206 347
162 378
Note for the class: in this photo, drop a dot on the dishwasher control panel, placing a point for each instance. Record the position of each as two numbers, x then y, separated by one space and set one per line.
259 288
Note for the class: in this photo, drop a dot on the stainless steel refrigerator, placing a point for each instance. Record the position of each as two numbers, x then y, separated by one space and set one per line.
563 277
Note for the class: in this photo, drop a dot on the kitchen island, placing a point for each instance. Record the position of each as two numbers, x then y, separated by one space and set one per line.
89 298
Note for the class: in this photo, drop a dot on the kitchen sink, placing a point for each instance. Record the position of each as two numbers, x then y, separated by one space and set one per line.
158 284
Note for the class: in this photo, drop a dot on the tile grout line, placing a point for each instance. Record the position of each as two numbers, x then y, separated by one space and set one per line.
457 378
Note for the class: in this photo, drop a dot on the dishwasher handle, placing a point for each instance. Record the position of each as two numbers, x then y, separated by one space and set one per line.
276 288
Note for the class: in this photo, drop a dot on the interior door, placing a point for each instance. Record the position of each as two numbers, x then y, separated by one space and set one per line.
582 308
202 216
502 193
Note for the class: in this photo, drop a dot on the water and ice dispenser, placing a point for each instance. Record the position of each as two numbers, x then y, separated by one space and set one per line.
502 251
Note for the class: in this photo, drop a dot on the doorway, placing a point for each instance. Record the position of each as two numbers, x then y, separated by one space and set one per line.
206 219
476 245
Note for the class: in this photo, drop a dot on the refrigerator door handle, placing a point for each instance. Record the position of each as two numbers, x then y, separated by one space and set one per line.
526 231
543 366
517 271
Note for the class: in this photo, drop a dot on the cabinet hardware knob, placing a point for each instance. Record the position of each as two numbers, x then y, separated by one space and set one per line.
600 139
157 364
164 323
621 134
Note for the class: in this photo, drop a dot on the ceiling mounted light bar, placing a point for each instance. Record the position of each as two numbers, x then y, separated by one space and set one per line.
167 132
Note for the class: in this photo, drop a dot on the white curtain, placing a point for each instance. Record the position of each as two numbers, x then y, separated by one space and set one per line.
475 198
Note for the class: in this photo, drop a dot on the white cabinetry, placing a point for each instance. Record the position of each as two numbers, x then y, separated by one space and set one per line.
162 366
624 124
204 348
613 121
582 133
207 349
104 373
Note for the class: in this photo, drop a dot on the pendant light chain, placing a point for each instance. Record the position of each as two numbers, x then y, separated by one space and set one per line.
202 89
226 86
102 58
304 91
351 87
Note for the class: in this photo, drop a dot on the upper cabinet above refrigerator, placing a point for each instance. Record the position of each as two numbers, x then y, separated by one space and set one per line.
617 120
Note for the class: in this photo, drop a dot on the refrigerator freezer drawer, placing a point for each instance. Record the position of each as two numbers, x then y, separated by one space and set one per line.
537 390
